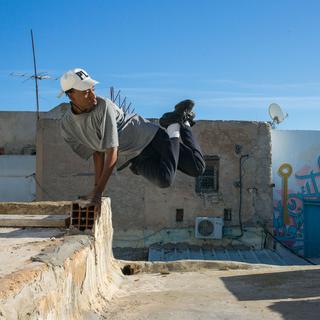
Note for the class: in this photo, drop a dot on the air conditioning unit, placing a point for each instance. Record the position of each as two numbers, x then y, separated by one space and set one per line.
209 227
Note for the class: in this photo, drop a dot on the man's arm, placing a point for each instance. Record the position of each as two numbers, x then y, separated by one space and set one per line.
98 160
111 157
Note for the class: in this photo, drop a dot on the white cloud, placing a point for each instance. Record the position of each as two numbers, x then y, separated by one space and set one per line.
228 99
287 102
146 75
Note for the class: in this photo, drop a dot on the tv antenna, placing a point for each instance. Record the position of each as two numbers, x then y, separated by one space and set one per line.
28 76
276 114
35 76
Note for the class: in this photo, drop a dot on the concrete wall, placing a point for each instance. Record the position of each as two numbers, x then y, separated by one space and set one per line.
142 209
17 131
301 151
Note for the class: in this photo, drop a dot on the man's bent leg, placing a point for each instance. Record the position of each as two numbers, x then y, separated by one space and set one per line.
191 161
159 160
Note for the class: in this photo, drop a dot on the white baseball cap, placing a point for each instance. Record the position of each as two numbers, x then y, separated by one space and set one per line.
76 79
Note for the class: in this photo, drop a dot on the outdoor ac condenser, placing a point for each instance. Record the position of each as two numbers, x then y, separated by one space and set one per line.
209 227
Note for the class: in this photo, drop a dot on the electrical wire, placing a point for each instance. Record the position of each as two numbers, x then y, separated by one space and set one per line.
33 175
241 175
288 248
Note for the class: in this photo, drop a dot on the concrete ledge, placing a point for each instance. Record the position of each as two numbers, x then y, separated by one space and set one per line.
71 277
33 208
45 221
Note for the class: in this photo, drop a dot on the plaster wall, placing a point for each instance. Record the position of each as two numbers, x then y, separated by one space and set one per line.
140 206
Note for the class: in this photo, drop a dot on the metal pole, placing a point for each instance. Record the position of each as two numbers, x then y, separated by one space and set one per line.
115 99
112 94
35 74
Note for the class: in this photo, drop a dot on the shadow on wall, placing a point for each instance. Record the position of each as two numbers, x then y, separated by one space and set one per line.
275 285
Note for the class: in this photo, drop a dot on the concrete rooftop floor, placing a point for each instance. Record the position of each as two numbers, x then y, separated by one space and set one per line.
186 289
19 245
262 293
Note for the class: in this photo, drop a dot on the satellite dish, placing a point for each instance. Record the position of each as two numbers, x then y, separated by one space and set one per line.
276 114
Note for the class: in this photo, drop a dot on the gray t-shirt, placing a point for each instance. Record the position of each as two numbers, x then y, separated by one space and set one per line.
107 126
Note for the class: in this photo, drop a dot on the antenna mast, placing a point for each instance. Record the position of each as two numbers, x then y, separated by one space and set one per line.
35 74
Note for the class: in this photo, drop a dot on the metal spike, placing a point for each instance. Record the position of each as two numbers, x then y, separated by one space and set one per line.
123 102
115 99
128 108
112 93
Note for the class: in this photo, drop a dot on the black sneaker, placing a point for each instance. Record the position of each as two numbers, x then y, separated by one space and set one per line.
170 118
184 107
190 118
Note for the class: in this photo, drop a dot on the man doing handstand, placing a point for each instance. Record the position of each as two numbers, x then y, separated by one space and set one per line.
95 126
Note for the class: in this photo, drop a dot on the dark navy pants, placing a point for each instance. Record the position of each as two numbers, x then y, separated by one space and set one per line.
159 161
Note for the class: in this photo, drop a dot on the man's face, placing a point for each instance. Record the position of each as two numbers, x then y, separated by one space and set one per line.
85 100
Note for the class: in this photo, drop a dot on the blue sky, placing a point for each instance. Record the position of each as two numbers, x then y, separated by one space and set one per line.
233 58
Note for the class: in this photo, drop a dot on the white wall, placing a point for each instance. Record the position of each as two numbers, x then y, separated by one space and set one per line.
16 180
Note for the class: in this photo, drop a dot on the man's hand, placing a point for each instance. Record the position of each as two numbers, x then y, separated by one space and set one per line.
92 199
95 199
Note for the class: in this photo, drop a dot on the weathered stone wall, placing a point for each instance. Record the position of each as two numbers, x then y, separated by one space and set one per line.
138 205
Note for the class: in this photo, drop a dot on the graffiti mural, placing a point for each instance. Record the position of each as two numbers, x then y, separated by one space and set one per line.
288 210
300 150
288 203
285 172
